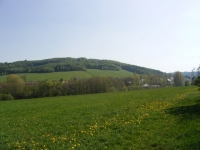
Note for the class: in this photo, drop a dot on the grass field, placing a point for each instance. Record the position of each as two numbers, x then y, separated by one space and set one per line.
158 119
67 75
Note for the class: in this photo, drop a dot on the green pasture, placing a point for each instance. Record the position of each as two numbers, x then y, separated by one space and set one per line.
68 75
157 119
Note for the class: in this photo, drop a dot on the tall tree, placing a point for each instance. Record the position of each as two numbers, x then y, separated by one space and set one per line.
15 85
197 79
178 79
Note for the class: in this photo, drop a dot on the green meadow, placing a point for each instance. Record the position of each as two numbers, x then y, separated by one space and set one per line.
157 119
67 75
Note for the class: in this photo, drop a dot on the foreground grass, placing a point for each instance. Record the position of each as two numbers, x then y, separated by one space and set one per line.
67 75
148 119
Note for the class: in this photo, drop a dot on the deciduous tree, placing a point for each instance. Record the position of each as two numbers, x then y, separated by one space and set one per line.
178 79
15 85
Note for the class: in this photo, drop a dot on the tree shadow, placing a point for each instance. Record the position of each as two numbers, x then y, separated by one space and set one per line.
194 146
186 115
191 110
186 112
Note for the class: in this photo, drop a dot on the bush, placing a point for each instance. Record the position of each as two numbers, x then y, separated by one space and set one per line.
5 97
124 88
112 89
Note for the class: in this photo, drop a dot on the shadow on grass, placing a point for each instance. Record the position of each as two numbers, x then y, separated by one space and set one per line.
187 112
187 115
194 146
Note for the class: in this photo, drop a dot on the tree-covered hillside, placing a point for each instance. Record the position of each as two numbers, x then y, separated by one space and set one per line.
70 64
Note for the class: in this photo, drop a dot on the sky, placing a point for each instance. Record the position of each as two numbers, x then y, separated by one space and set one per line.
157 34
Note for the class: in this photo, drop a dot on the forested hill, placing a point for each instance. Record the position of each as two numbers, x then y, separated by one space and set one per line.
70 64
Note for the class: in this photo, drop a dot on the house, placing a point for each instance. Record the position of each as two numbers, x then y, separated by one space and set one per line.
64 81
145 86
129 82
169 80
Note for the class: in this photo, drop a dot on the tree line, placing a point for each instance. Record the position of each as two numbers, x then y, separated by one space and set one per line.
16 86
70 64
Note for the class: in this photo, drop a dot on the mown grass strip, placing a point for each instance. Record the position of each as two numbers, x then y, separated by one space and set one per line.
68 75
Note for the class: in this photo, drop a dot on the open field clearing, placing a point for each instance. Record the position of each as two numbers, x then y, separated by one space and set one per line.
159 119
67 75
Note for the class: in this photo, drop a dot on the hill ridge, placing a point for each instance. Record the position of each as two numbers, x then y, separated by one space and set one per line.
71 64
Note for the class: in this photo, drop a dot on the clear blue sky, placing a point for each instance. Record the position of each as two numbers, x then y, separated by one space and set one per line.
157 34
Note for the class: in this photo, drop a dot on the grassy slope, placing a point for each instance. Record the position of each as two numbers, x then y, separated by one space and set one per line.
147 119
68 75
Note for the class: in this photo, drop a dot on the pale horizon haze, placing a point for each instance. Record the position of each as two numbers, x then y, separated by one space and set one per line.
157 34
